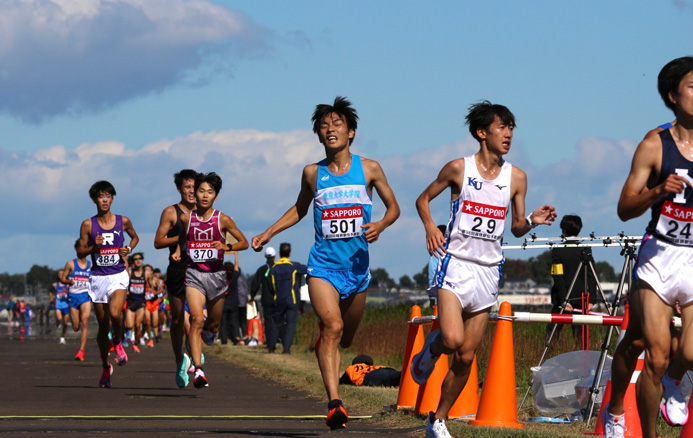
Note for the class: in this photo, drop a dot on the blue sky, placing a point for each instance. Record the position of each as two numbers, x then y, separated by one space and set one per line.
133 91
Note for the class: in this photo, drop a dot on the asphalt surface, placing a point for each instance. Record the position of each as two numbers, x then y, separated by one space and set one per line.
45 392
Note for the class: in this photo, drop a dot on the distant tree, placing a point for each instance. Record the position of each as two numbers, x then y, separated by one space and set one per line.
12 283
540 268
516 268
41 276
605 272
382 279
421 278
405 282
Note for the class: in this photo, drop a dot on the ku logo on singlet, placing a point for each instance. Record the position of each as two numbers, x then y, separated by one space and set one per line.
471 181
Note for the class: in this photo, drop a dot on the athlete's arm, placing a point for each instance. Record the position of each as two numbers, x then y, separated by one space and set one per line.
185 220
543 215
636 198
376 178
296 212
134 239
229 226
166 223
67 270
449 176
84 232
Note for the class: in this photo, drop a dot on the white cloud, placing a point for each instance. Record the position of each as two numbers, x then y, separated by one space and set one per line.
60 56
261 173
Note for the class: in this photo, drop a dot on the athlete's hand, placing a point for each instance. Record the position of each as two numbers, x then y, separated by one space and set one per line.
259 241
123 252
435 242
220 246
98 240
372 231
544 215
176 255
673 184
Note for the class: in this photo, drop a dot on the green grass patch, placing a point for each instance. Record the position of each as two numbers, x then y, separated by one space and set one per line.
382 335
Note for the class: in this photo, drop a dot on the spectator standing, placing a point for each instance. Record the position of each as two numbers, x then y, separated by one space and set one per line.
286 279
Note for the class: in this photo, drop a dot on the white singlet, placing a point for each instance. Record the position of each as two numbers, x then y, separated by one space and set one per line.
477 216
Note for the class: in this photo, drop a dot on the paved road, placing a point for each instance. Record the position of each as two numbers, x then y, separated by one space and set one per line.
45 392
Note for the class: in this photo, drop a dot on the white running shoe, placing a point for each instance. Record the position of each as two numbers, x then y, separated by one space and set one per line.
614 426
436 428
674 409
424 362
62 341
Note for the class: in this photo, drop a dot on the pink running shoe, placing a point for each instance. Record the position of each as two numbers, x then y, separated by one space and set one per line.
121 356
105 381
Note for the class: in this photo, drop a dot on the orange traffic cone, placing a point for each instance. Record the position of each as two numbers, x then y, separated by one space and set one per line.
408 388
498 404
632 417
468 401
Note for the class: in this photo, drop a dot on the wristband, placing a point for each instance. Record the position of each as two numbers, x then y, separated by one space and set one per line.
229 246
129 249
528 221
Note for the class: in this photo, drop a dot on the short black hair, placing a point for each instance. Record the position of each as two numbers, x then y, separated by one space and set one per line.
341 106
482 114
571 224
156 271
76 244
284 249
670 77
210 178
101 187
181 176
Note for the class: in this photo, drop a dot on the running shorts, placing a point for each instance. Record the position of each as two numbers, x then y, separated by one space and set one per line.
211 284
475 285
102 286
61 305
667 269
76 300
134 305
175 282
346 283
152 306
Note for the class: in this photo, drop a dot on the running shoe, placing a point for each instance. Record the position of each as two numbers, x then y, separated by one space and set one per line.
207 337
200 380
135 348
614 425
62 341
105 381
142 343
125 342
121 356
79 355
424 362
436 428
150 343
336 415
674 409
182 378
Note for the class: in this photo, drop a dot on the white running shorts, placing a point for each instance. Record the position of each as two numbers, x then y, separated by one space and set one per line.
476 286
102 286
667 269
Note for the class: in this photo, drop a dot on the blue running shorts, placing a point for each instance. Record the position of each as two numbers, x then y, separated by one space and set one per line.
76 300
347 283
